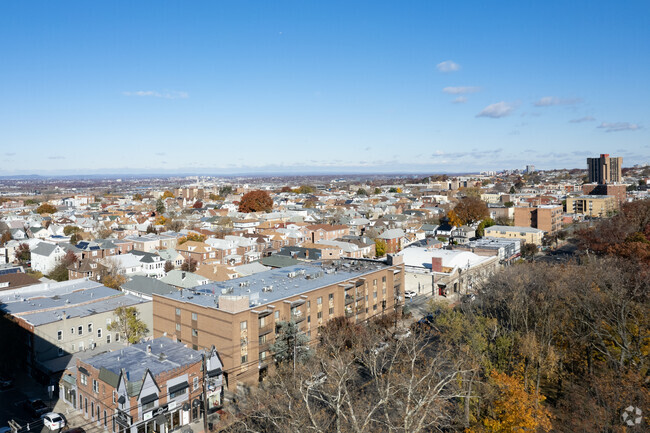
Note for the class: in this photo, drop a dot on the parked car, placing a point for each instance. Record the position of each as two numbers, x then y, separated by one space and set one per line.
5 382
53 421
409 294
36 407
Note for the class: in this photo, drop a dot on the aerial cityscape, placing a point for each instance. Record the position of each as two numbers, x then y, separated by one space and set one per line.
324 216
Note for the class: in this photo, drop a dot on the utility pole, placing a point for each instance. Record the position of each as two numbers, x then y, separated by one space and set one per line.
205 395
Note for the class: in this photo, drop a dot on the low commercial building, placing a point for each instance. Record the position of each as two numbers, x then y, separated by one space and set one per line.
445 273
505 249
59 319
239 316
526 234
155 386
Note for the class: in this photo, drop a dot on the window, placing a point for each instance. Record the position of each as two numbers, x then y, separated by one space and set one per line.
95 386
308 319
84 379
150 405
178 311
243 325
59 335
383 279
92 409
99 332
71 331
195 333
178 326
308 304
374 307
320 314
331 296
114 397
195 316
262 355
117 337
195 383
80 330
81 346
331 310
276 315
319 301
108 338
177 393
105 419
108 322
244 359
374 295
374 282
60 351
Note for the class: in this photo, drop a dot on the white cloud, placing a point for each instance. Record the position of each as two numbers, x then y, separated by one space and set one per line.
583 119
154 94
549 101
460 100
448 66
462 90
619 126
496 111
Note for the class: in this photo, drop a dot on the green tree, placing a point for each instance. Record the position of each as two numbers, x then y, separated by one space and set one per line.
68 230
380 247
290 342
362 192
305 189
160 206
45 208
225 190
529 250
128 324
480 230
377 191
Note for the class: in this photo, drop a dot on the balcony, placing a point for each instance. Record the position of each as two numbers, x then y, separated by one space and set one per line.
349 313
265 346
360 297
297 316
348 299
267 329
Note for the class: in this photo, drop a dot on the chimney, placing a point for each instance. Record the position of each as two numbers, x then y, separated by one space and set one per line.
436 264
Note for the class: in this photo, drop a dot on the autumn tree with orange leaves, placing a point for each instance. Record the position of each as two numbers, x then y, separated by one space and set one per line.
256 201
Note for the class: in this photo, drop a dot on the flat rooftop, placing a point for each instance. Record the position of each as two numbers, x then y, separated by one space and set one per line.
46 303
165 355
278 284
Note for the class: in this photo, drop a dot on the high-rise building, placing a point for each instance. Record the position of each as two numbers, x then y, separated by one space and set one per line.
530 169
604 169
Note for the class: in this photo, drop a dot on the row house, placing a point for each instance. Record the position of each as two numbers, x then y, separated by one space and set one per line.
156 386
318 232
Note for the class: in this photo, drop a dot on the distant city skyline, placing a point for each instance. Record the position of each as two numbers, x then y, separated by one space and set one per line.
321 87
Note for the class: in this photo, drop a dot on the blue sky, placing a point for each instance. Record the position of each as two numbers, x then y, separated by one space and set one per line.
307 86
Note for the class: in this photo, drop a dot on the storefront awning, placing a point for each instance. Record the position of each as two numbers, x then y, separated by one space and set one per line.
215 372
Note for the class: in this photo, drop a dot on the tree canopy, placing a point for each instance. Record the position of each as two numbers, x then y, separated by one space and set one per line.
471 210
128 324
256 201
45 208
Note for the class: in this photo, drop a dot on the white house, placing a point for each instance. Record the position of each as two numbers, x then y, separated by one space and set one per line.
45 257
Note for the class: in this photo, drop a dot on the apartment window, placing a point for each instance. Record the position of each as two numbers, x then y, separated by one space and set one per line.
308 319
319 301
195 383
108 338
117 337
383 279
263 355
195 316
80 330
331 296
195 333
374 282
59 335
374 295
243 325
331 310
60 351
262 339
105 419
374 307
71 331
244 359
308 304
262 322
276 315
114 397
92 409
99 332
320 314
178 326
178 311
84 379
150 405
95 386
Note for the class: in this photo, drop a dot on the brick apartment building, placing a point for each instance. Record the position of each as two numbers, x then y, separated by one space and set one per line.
150 387
239 316
618 191
544 217
328 232
597 206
